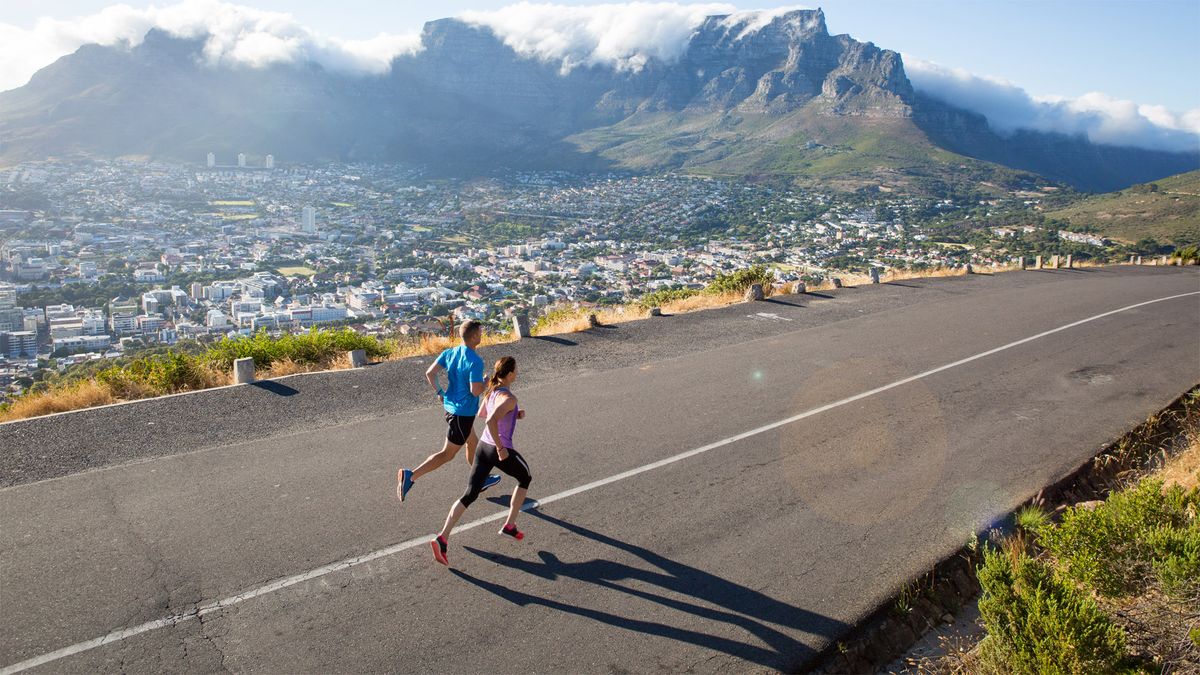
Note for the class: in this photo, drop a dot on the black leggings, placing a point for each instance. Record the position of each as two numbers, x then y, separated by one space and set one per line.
486 460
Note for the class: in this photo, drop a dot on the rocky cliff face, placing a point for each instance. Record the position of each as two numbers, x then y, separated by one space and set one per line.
468 102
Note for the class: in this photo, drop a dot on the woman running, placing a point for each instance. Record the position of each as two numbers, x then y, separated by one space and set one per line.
499 407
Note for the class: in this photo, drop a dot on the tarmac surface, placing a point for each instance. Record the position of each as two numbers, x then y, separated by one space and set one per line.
726 490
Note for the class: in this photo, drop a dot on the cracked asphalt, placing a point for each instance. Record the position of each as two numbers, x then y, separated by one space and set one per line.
755 555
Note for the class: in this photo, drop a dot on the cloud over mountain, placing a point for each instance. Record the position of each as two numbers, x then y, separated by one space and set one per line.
1098 116
623 36
234 35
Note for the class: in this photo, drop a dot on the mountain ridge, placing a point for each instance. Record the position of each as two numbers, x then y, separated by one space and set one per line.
467 101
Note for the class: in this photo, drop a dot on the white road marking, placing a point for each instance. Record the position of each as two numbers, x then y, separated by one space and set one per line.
279 584
767 315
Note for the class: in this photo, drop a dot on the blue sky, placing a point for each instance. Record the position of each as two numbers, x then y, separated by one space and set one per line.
1143 50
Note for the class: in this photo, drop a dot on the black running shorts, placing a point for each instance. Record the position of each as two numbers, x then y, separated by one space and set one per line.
460 427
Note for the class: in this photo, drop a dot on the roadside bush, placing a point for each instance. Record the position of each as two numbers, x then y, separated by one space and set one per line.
557 317
1038 623
316 347
155 375
739 281
1114 548
667 295
1177 560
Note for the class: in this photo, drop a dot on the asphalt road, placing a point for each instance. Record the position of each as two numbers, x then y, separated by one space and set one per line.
756 552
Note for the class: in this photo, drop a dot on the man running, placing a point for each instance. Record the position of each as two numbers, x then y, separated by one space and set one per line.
464 373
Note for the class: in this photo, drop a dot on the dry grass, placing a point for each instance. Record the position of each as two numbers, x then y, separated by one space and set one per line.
285 367
1184 469
704 301
86 394
427 345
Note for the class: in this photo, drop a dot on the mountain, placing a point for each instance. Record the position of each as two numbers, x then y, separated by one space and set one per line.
1167 210
781 98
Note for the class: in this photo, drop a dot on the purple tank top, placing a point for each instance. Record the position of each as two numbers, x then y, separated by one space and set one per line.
506 425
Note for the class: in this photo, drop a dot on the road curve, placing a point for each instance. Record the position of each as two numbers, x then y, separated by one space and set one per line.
731 504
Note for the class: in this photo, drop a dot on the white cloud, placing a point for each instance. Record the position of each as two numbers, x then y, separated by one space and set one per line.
235 35
624 36
620 35
1098 116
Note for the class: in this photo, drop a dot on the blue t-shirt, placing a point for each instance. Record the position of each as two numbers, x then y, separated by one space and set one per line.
463 366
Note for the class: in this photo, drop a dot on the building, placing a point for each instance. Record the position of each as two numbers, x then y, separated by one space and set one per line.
269 162
212 160
31 269
308 219
241 160
149 325
82 343
8 296
18 344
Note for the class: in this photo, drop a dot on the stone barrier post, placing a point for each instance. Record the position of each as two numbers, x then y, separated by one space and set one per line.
593 320
1070 261
1037 262
1163 260
243 371
1139 260
837 282
970 269
521 326
656 311
358 358
874 275
754 293
800 288
1054 261
1022 262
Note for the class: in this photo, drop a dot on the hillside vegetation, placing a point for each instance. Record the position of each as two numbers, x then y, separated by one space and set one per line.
1167 210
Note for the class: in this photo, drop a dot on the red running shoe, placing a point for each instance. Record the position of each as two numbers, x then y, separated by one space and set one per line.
512 531
439 550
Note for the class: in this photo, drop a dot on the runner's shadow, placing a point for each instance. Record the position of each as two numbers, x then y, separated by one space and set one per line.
688 589
506 500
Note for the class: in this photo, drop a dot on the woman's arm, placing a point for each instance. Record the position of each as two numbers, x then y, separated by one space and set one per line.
493 422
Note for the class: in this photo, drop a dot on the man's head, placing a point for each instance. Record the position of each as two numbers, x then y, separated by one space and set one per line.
471 333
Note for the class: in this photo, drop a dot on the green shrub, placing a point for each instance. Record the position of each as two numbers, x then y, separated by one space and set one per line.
739 281
1186 254
554 316
158 374
1176 560
316 347
666 295
1032 518
1038 623
1113 547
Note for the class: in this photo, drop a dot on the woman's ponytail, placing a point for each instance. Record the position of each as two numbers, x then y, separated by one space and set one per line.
504 366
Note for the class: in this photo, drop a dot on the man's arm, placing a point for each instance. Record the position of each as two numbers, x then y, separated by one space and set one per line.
477 384
431 377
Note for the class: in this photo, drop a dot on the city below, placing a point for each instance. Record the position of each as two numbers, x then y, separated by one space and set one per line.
103 259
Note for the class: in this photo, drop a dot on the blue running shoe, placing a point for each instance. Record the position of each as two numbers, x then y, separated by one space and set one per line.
491 480
404 483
